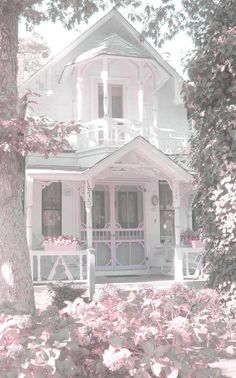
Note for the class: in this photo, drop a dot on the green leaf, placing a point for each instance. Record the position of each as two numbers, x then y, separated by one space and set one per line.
62 335
149 348
116 342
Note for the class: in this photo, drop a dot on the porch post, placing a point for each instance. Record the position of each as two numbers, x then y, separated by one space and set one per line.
141 95
79 97
178 254
29 217
104 76
89 229
155 110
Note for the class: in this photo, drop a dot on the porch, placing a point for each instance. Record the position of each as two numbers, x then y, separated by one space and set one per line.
130 208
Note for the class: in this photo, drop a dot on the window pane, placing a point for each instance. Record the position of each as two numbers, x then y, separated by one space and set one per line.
116 94
98 209
100 101
167 230
165 196
51 210
128 209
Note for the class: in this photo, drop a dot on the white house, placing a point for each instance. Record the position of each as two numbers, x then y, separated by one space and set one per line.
118 189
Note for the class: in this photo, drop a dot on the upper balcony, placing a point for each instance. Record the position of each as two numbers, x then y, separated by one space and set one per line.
115 132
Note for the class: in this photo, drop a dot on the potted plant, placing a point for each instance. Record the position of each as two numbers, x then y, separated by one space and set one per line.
187 236
62 242
190 237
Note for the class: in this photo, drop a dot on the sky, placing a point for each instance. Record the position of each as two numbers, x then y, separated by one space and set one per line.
57 38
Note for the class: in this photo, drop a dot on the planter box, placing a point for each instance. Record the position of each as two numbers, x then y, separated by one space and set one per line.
57 247
197 244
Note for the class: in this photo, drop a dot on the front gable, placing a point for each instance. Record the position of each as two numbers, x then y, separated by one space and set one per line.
139 158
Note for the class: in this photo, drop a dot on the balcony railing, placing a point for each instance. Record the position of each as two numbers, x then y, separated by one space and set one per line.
117 132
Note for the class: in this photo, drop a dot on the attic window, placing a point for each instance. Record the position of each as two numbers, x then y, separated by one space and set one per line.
115 101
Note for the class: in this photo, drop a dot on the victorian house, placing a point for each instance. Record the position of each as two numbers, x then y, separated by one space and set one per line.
119 188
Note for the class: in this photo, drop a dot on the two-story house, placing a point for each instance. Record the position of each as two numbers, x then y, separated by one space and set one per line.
118 189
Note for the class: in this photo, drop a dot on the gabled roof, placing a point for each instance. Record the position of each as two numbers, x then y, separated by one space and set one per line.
141 49
114 45
149 152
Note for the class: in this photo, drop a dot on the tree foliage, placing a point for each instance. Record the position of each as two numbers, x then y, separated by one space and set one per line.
33 53
210 97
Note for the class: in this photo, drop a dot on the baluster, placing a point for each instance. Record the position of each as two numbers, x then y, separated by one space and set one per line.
81 277
39 267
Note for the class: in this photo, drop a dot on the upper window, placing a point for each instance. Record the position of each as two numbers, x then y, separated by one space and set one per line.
115 101
51 210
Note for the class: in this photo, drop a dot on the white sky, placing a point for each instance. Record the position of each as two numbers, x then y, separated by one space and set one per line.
57 38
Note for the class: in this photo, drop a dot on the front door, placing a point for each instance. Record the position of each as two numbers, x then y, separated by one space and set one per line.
118 227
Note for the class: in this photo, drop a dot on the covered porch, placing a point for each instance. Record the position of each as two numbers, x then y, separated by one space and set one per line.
129 208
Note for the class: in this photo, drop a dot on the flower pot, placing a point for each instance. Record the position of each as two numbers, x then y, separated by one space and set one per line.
197 244
58 247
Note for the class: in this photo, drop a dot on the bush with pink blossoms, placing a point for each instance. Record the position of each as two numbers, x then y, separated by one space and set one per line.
174 333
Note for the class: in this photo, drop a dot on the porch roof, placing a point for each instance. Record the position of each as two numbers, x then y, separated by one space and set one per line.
150 153
154 158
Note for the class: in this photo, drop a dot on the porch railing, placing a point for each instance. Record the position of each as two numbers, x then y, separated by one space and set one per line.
116 132
186 261
82 260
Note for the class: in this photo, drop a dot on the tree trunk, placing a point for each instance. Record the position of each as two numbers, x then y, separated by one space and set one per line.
15 276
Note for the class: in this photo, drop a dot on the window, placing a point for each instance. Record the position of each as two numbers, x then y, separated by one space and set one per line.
166 213
128 209
51 210
98 209
100 101
115 101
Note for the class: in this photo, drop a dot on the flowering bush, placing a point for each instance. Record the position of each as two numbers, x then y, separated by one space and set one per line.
61 240
174 333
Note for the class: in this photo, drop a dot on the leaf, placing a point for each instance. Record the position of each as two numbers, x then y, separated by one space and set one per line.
62 335
149 348
156 369
162 350
116 342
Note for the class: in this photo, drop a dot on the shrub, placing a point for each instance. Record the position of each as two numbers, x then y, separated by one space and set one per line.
62 292
173 333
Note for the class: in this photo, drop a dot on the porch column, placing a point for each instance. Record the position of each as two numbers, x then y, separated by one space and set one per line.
178 254
104 76
141 95
89 229
79 97
155 109
88 208
29 217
